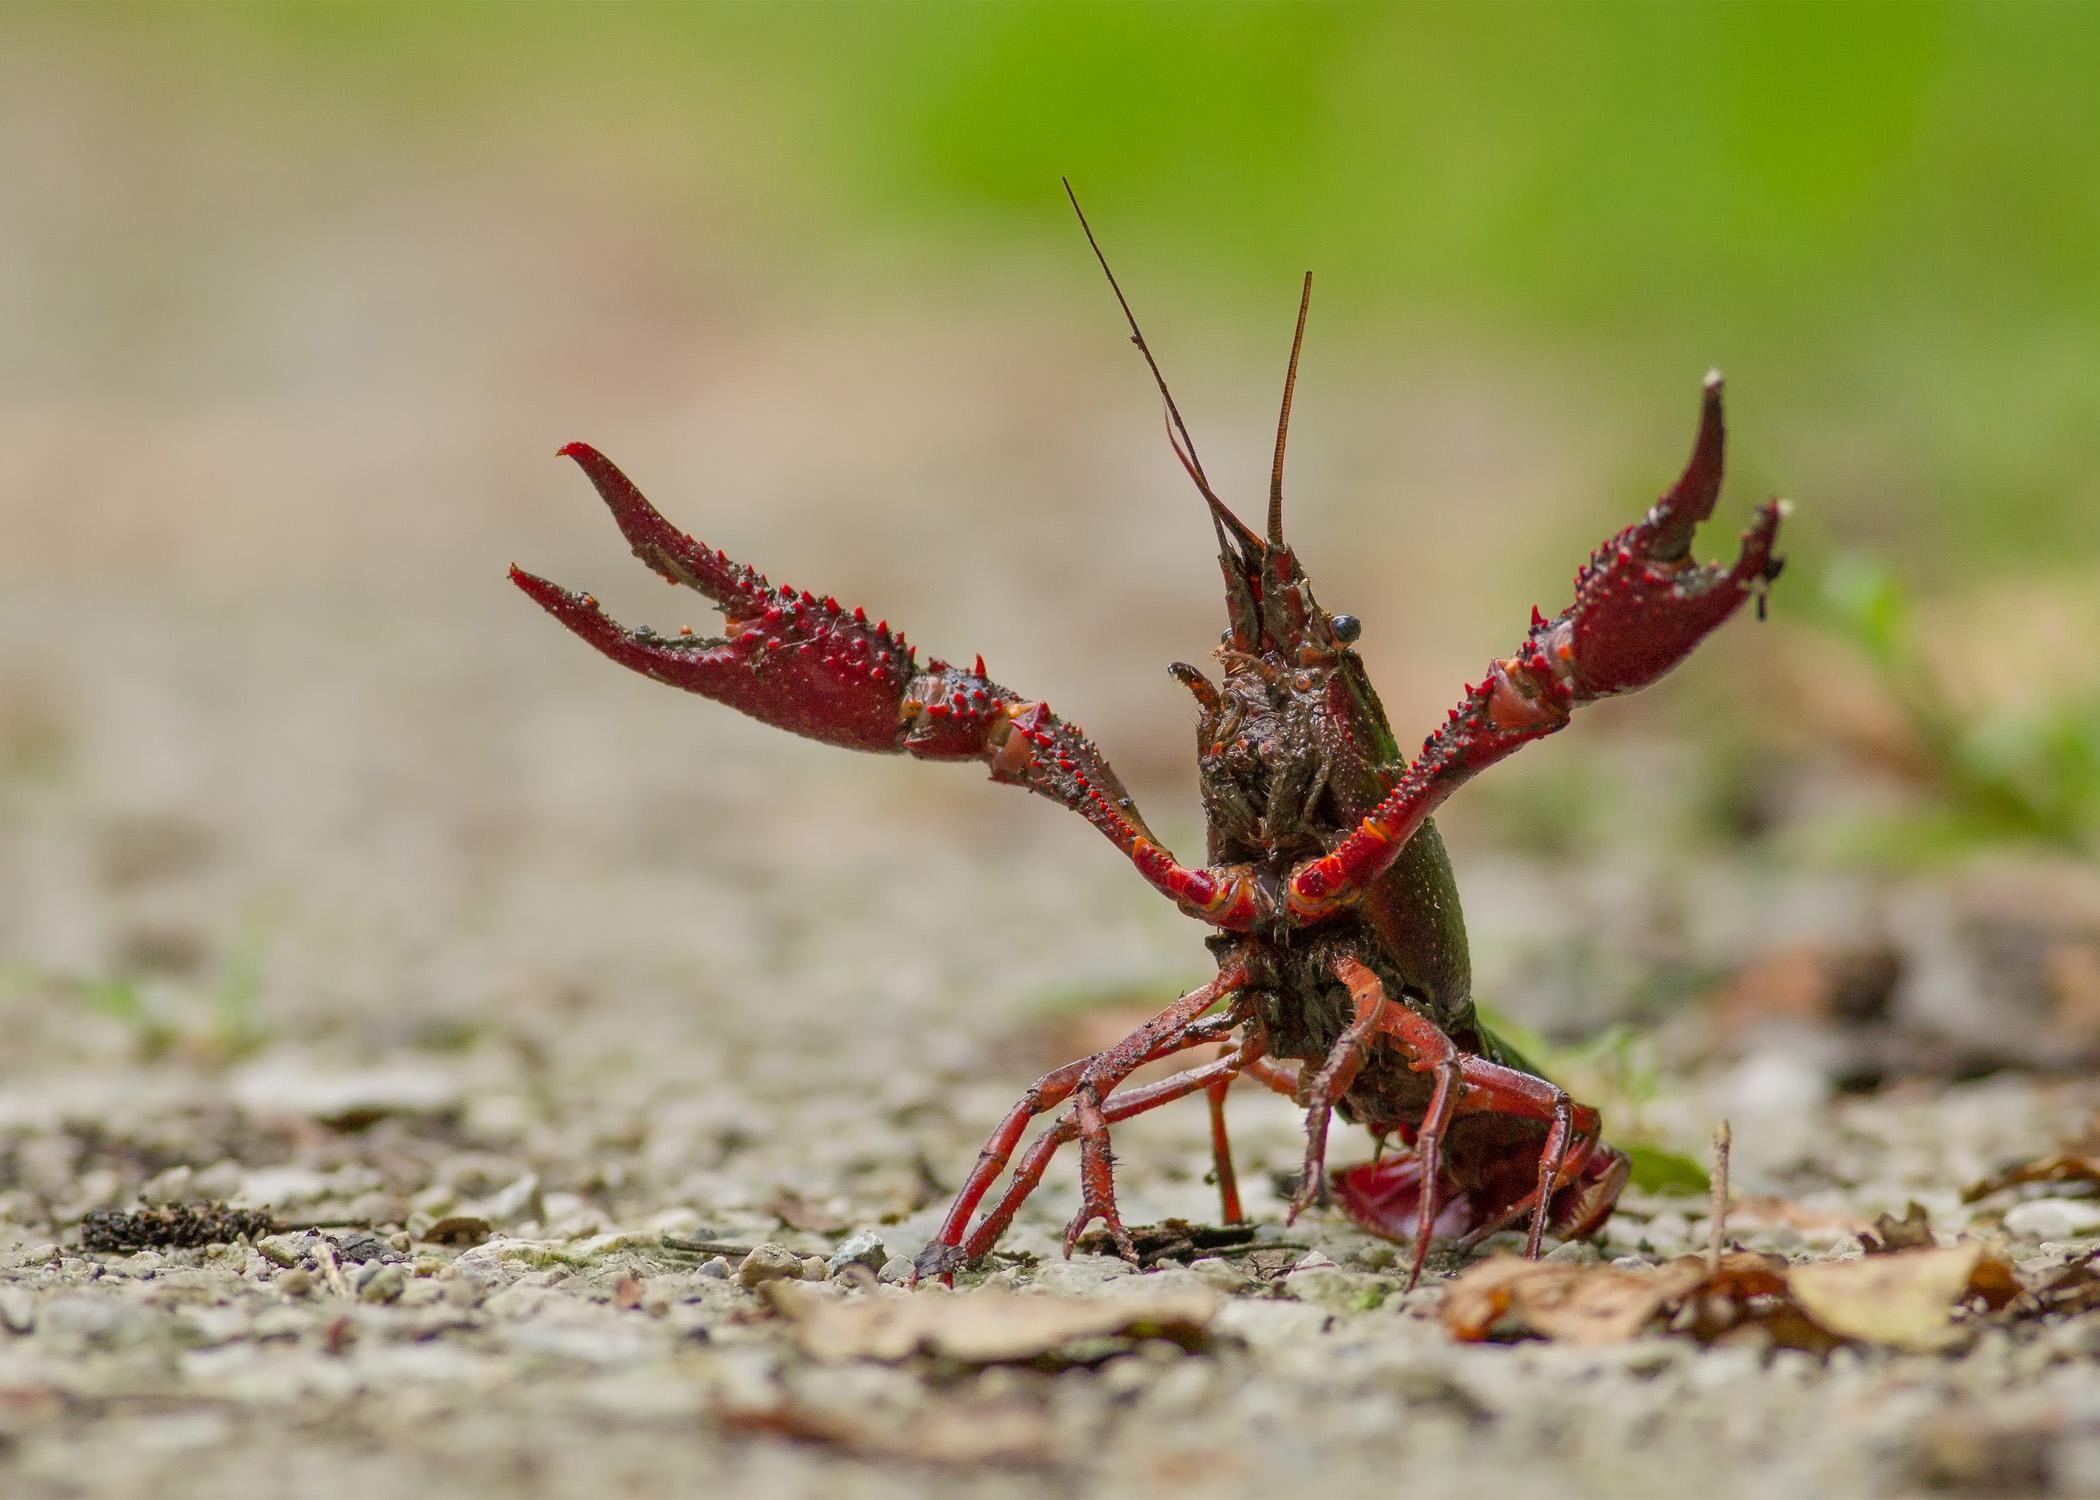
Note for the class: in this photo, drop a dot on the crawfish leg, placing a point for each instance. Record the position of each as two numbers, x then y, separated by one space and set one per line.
1028 1172
1484 1087
1581 1160
1174 1029
1344 1061
1273 1076
1165 1032
1428 1051
1229 1210
1494 1089
1281 1080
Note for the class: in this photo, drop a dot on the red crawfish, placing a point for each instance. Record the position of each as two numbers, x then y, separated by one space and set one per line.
1343 979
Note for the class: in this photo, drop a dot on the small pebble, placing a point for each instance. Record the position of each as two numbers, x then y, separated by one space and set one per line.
17 1310
519 1201
1222 1274
715 1268
2052 1218
1669 1229
814 1269
769 1263
383 1285
358 1247
896 1271
296 1283
864 1248
280 1249
175 1185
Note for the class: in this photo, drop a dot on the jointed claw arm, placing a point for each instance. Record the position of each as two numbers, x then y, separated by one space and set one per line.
1641 605
810 666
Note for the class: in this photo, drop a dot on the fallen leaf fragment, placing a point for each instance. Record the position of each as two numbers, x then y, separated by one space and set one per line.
2072 1290
1911 1232
1900 1299
1583 1305
1171 1239
980 1432
1903 1300
2069 1166
987 1326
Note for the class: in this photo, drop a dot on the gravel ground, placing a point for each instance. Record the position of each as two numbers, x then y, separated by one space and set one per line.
495 964
333 878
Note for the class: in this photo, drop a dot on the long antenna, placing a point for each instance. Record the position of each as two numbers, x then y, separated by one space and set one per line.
1184 446
1283 420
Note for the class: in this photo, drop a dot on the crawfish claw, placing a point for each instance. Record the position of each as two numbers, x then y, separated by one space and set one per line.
790 659
1641 602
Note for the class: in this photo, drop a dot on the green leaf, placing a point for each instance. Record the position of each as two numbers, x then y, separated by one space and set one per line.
1658 1171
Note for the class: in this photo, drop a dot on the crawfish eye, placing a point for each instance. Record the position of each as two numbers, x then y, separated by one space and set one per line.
1346 628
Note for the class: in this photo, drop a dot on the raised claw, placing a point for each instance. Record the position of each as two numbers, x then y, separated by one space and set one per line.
807 665
1641 603
1641 606
791 659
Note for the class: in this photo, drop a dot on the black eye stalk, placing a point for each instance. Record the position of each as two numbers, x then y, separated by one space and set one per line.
1346 628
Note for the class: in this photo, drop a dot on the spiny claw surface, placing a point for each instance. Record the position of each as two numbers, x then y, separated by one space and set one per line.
1641 603
794 660
810 666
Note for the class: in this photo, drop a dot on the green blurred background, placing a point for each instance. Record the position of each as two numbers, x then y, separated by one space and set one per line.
1883 219
824 247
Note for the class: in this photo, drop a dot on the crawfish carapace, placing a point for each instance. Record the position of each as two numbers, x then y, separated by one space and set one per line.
1342 974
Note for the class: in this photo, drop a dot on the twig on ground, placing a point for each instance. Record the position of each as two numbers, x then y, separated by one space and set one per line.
1717 1220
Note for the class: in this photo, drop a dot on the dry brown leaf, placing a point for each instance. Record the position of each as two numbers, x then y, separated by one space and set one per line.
1742 1274
985 1326
1584 1305
2065 1167
1911 1232
2073 1289
1903 1300
978 1432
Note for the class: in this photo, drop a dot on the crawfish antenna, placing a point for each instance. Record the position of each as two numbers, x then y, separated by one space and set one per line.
1184 446
1283 419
